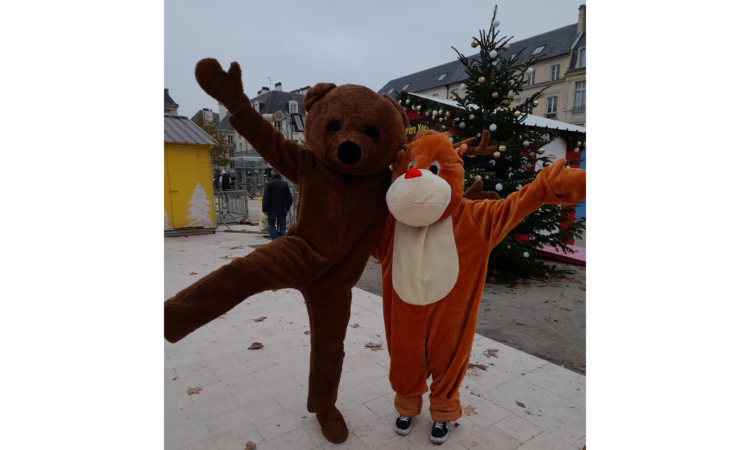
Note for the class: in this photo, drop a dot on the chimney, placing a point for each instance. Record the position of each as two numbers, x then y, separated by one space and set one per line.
222 111
278 86
582 18
263 90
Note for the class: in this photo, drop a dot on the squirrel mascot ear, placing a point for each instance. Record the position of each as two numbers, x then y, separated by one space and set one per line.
316 93
400 109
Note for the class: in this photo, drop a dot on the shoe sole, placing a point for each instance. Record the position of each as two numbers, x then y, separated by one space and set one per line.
441 440
402 432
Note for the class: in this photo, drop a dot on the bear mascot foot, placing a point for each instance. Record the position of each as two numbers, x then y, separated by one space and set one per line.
333 426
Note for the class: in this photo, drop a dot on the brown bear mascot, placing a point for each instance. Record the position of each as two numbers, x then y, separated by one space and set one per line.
353 134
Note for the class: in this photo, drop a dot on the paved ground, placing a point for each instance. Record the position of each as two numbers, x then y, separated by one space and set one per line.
545 319
520 401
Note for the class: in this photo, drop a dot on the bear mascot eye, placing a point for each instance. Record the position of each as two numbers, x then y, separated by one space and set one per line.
435 167
334 126
372 132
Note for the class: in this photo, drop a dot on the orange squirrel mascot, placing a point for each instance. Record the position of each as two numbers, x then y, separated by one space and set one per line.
434 253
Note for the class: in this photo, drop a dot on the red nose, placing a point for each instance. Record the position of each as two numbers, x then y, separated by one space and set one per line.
413 173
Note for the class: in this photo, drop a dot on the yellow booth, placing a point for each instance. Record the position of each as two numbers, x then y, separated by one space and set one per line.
188 186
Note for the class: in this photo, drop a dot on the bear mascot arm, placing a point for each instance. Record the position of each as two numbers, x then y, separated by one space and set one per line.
433 255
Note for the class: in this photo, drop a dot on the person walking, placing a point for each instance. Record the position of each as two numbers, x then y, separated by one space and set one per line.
224 181
277 201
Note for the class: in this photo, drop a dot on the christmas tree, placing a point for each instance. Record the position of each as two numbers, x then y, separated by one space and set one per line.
200 209
485 102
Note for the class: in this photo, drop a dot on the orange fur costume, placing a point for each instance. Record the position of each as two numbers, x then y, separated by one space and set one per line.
434 253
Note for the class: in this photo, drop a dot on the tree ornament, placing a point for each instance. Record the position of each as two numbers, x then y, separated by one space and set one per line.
479 135
510 169
419 107
495 95
502 148
492 161
462 87
493 54
440 120
487 177
540 151
462 125
478 178
498 109
535 103
493 127
498 187
481 80
511 94
532 155
495 155
525 254
474 43
518 187
576 150
567 166
408 101
400 102
434 113
471 116
506 47
546 164
440 112
584 145
529 71
525 143
517 113
447 114
579 144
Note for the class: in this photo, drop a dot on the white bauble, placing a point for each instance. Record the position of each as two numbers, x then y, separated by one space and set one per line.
511 94
463 86
498 187
529 71
576 149
492 162
493 127
510 175
434 113
525 254
524 159
525 143
479 135
519 187
462 125
493 54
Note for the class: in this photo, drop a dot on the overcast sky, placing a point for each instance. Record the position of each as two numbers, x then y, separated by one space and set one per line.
301 43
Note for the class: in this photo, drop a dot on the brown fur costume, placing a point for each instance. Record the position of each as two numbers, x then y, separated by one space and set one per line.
353 134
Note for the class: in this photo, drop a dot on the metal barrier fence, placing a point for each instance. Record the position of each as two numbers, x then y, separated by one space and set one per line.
232 206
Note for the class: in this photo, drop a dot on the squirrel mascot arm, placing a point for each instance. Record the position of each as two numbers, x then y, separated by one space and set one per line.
282 154
554 185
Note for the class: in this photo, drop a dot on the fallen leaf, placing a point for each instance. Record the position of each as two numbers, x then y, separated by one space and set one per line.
194 390
566 309
223 257
174 378
250 445
583 288
495 292
519 323
478 366
307 332
456 424
260 319
520 404
550 320
527 412
492 352
235 248
469 410
473 372
356 325
374 347
182 250
193 273
476 394
255 346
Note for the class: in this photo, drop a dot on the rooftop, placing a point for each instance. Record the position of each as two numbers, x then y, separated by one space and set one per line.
180 130
168 100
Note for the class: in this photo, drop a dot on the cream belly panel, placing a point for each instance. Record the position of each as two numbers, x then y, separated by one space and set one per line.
425 262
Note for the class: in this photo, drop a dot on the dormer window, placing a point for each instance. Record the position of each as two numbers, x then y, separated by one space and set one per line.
391 91
406 86
441 77
538 50
583 57
293 107
256 106
513 55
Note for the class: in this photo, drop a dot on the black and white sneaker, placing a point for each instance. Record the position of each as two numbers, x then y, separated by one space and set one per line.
440 432
403 425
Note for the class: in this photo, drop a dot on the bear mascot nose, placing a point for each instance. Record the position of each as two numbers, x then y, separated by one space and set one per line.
349 153
413 173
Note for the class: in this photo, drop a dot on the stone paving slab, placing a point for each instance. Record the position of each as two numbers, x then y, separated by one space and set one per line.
519 402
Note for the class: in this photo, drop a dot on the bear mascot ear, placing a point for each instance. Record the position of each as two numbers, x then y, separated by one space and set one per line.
400 109
316 93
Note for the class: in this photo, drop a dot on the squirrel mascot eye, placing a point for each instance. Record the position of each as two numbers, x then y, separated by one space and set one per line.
411 164
334 126
435 167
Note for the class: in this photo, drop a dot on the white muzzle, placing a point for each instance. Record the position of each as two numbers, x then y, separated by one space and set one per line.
418 201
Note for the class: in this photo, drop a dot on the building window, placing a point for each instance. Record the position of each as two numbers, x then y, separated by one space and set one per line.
231 165
434 95
230 139
583 58
441 77
293 107
231 153
406 86
531 77
391 91
538 50
555 73
240 146
551 105
580 99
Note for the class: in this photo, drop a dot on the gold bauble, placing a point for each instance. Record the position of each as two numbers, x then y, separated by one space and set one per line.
540 151
520 137
546 164
474 43
506 102
535 103
487 177
471 116
579 144
478 177
584 144
481 80
440 112
506 47
499 109
532 155
408 101
502 148
495 95
517 113
447 114
419 107
496 155
441 119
